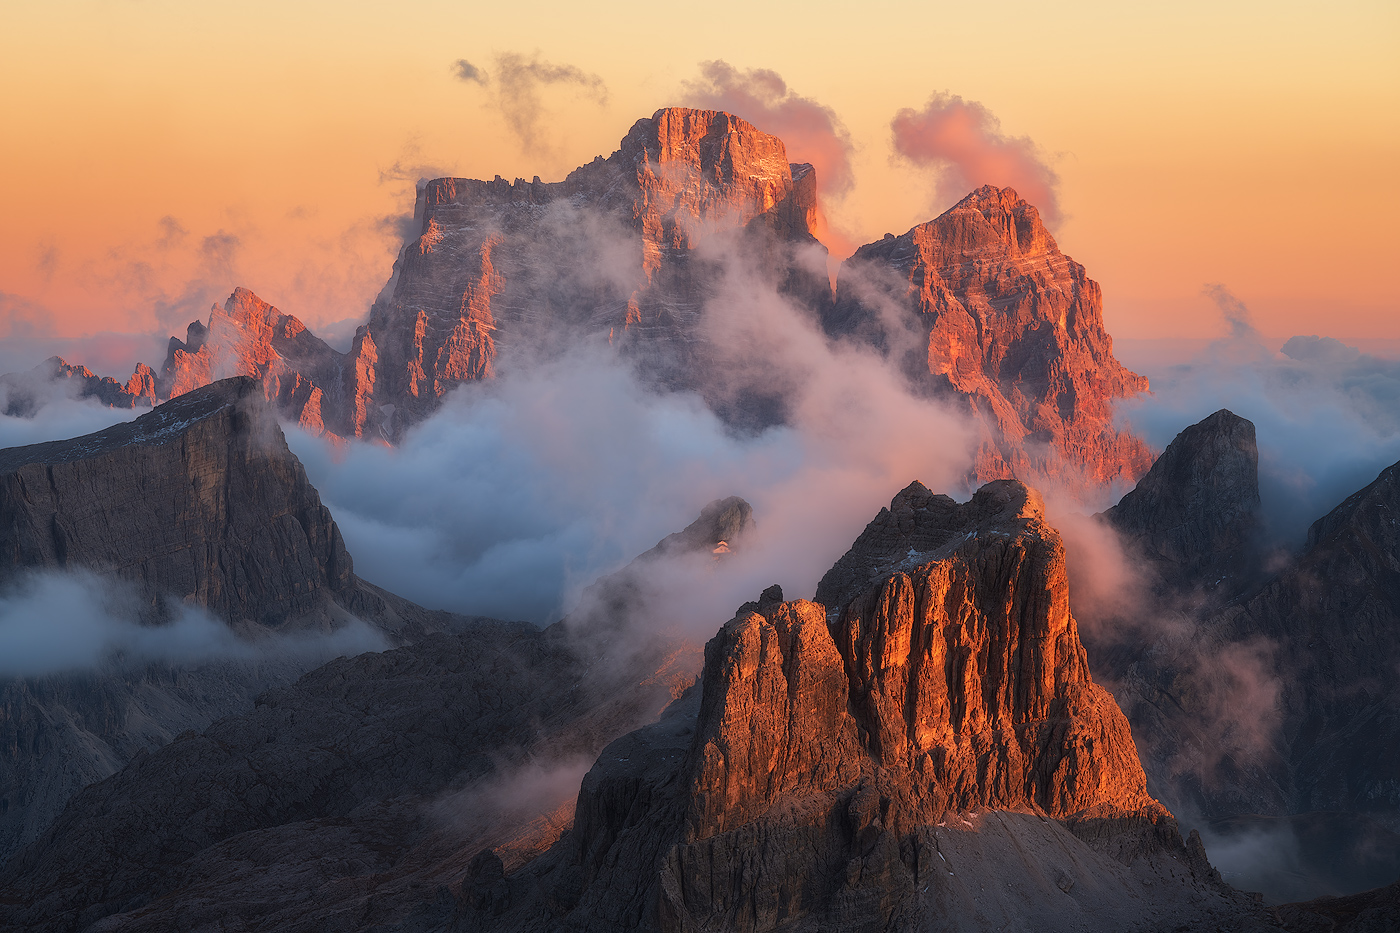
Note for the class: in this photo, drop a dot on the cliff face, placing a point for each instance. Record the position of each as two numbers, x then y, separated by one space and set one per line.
933 753
351 791
198 503
1194 515
609 249
299 372
385 772
1002 321
22 390
978 305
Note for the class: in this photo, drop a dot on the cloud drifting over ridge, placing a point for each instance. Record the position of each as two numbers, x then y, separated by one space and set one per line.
54 622
515 87
1327 416
520 491
811 130
962 140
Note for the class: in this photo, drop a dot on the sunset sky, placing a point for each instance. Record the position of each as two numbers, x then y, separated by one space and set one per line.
156 154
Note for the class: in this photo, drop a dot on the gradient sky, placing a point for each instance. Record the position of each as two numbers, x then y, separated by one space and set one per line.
155 154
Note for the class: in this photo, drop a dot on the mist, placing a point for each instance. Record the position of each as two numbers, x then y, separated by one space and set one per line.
63 621
52 411
522 490
811 130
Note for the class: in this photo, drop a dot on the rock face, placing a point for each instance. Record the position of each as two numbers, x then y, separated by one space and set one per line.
21 390
1194 515
300 374
197 503
933 753
611 606
978 305
610 249
383 772
998 318
1269 708
338 803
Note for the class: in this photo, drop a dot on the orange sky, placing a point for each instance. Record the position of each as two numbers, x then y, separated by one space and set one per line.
155 154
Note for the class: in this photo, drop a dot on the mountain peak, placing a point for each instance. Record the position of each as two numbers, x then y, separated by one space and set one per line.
1195 512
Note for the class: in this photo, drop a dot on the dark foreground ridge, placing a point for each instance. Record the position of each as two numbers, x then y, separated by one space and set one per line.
197 505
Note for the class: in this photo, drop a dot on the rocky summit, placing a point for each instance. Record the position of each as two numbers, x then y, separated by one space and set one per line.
932 753
978 306
196 505
990 313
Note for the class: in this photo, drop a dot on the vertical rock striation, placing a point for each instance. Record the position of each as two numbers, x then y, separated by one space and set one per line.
197 504
930 753
996 317
610 249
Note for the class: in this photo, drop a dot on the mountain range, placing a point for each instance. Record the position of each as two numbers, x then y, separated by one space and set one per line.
939 738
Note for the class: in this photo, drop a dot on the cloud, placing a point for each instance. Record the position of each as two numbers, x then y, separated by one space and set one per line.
464 70
963 141
812 131
21 316
406 176
518 84
47 409
53 622
520 491
1236 315
1327 416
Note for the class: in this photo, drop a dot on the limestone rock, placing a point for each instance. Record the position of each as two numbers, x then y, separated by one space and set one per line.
1002 321
22 390
338 802
1196 511
607 250
933 753
299 372
198 502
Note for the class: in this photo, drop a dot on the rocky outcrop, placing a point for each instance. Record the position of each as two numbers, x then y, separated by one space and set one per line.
1375 911
996 318
612 606
610 249
198 503
932 753
978 305
300 374
1266 705
23 393
392 764
1335 617
342 802
1194 516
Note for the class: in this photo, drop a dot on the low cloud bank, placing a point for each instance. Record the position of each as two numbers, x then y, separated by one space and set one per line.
55 622
51 411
